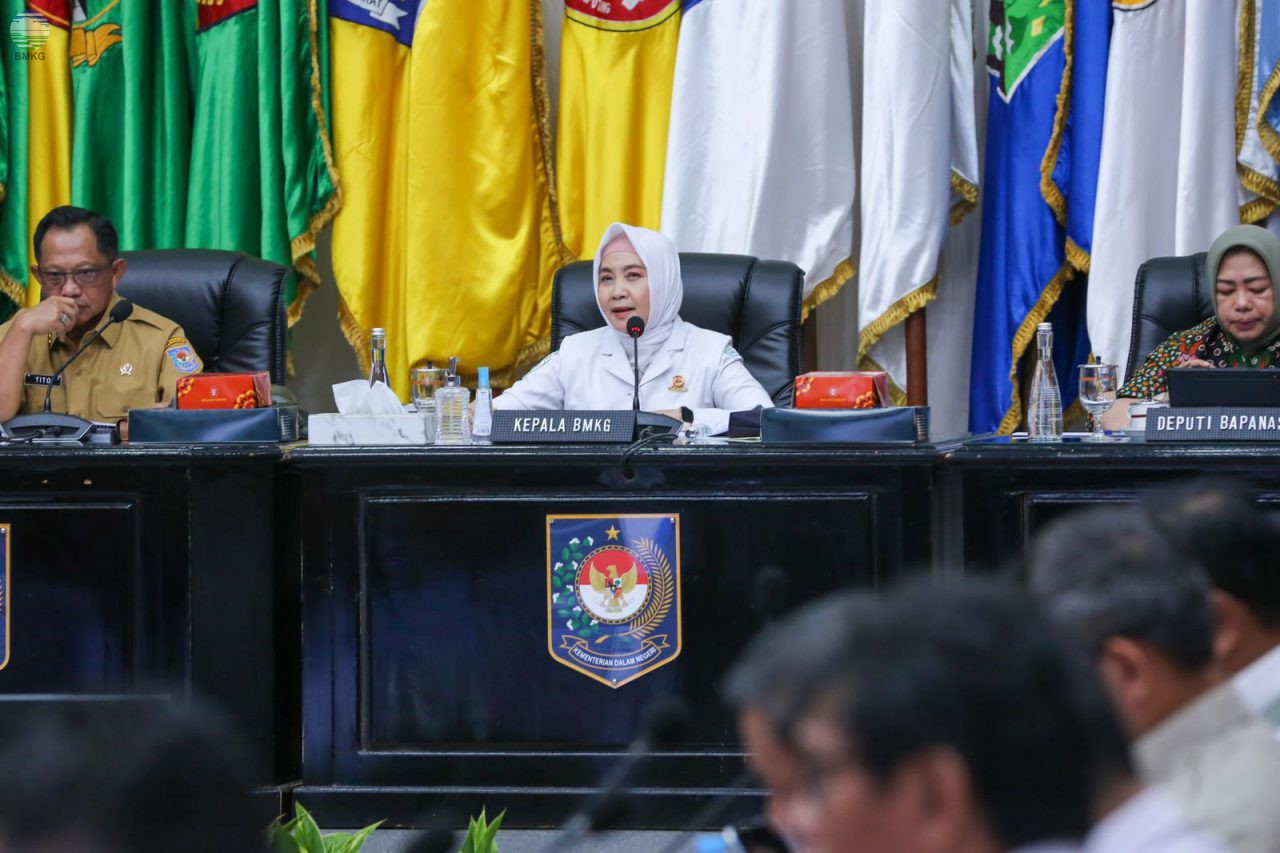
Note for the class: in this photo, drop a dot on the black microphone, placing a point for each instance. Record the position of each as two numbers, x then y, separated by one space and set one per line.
635 328
119 313
664 723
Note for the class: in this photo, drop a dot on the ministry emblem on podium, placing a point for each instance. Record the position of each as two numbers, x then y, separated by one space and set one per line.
613 594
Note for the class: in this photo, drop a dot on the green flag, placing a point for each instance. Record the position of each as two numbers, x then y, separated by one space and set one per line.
262 179
13 207
131 142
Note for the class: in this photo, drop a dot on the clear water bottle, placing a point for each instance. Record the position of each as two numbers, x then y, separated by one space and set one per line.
1044 412
378 365
482 419
452 402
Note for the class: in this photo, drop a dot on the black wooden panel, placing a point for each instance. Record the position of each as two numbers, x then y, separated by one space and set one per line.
455 616
427 683
73 620
144 574
1005 492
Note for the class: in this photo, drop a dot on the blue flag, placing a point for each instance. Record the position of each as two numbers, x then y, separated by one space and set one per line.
1044 137
1269 78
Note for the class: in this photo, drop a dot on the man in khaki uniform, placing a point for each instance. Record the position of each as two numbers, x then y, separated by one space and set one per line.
132 364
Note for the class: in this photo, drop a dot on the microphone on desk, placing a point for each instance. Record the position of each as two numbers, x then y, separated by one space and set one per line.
119 313
635 328
665 722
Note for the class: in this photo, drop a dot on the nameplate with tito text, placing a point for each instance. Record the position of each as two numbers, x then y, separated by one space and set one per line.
557 426
1213 423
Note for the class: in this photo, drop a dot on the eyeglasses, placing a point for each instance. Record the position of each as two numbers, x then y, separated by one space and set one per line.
85 277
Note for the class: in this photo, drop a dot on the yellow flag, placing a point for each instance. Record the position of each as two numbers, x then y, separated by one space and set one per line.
49 124
447 237
617 64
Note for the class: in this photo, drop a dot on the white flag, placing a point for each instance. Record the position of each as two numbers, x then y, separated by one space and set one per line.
760 154
1167 181
919 162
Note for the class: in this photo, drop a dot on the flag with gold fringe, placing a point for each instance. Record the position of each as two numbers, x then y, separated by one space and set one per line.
1257 163
1041 160
617 66
263 180
760 154
1168 181
131 141
1266 119
919 164
447 235
37 78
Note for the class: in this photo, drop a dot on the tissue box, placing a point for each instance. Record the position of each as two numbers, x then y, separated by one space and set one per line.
366 429
842 390
224 391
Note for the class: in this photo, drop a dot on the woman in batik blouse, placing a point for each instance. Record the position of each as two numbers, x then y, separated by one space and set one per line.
1245 328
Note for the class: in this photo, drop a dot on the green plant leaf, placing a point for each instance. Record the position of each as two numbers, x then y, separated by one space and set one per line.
358 840
489 836
337 842
282 841
564 554
306 832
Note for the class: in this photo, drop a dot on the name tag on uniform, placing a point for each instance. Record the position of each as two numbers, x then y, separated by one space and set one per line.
42 380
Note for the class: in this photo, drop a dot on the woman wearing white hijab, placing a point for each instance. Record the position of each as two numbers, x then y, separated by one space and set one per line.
683 368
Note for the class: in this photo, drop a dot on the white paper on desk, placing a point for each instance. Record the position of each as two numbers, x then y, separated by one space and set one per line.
358 397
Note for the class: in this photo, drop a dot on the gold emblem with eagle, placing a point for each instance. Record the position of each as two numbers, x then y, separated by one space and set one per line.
612 585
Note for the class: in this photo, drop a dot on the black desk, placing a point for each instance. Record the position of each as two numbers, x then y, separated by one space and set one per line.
144 574
383 608
428 685
1000 492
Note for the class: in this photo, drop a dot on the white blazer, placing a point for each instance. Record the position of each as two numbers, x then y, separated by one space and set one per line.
696 368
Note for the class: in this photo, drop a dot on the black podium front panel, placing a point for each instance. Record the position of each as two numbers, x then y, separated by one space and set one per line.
429 687
1002 492
146 574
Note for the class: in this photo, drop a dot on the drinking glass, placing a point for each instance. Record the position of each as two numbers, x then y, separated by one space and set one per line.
1097 394
423 383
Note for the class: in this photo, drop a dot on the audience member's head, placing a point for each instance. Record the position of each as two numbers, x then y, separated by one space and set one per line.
1218 524
124 778
767 689
1136 604
934 719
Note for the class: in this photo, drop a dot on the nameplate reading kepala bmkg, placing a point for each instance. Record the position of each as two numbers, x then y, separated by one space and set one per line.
1213 423
556 426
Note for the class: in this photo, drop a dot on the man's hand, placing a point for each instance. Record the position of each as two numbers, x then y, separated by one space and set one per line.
56 315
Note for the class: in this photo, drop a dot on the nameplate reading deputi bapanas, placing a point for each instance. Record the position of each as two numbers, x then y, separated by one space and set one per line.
557 426
1213 423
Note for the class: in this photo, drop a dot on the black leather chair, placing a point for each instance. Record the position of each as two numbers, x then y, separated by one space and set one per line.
230 305
1171 294
757 303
